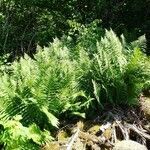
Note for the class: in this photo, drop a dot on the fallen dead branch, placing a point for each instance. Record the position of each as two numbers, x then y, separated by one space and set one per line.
118 124
73 139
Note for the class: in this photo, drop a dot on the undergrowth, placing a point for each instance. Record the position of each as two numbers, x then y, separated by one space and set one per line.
65 80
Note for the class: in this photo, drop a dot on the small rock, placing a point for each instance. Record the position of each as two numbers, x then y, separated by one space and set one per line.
129 145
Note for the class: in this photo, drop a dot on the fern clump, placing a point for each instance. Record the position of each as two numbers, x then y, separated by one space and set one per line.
42 89
67 79
118 72
137 74
108 69
60 80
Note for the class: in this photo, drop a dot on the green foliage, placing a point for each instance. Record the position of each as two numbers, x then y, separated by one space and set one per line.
86 36
15 136
73 78
42 89
118 71
24 24
85 70
137 74
108 69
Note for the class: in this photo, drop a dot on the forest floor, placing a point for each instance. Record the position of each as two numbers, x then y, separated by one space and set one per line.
103 132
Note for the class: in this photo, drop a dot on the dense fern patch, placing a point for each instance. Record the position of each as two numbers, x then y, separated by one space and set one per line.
72 80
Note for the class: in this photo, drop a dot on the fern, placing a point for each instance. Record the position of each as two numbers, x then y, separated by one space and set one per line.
17 136
71 81
116 76
139 43
137 74
108 67
40 90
